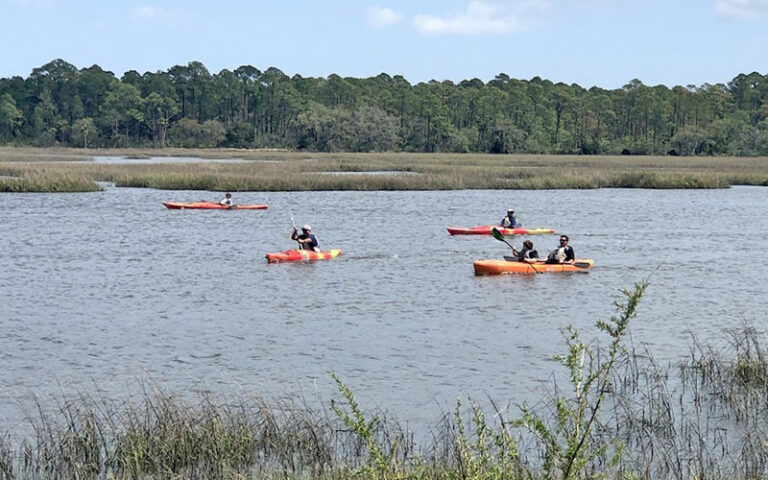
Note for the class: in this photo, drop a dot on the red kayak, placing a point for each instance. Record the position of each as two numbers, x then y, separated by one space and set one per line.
211 206
486 230
301 255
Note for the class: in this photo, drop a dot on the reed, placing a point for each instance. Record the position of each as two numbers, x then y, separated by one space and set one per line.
58 170
36 184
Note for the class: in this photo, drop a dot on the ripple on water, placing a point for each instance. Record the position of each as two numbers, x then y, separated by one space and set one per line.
105 295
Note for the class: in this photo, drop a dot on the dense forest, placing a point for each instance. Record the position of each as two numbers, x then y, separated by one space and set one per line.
187 106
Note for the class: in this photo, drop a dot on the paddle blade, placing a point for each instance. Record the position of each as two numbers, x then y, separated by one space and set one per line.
497 234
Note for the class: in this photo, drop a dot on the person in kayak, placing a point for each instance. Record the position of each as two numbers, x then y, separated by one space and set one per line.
307 240
563 253
510 221
527 254
226 201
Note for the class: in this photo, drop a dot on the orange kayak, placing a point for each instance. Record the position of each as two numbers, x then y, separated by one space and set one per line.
486 230
301 255
498 267
210 206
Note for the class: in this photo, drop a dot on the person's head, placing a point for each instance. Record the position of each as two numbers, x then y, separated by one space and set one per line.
528 244
229 195
306 228
510 212
563 239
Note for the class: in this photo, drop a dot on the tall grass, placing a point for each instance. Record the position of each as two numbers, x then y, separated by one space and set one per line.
295 171
53 183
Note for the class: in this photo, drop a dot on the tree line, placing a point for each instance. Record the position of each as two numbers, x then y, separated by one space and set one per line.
187 106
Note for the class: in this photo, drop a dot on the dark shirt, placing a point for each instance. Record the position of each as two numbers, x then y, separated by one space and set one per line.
308 246
525 253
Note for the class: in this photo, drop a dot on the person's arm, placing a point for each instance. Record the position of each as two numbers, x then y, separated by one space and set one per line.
569 255
295 235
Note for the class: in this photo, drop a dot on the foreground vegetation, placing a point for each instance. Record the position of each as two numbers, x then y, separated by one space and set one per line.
622 416
187 106
42 170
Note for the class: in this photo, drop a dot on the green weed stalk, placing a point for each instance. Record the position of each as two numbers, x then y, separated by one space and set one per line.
382 464
568 442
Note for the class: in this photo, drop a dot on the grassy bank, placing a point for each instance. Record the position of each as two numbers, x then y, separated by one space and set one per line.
55 170
620 414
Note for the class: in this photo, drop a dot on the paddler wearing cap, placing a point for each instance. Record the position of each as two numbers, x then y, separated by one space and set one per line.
510 221
307 240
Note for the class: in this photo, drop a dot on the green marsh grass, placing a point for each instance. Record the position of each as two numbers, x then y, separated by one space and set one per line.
48 183
303 171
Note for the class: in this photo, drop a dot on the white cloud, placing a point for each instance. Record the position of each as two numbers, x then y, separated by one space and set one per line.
152 13
741 8
382 17
485 17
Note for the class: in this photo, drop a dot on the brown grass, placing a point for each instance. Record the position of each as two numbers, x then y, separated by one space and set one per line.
295 171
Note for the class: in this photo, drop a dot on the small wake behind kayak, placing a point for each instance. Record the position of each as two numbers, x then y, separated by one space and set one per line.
210 206
499 267
301 255
486 230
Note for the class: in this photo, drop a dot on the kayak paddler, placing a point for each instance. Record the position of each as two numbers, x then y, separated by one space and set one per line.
226 201
307 240
563 253
510 221
527 253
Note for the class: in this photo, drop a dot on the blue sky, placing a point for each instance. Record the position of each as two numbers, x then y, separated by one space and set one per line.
603 43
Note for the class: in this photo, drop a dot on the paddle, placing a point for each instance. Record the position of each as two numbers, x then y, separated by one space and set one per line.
500 236
295 229
580 264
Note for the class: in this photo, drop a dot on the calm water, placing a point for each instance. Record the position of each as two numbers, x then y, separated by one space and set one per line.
101 291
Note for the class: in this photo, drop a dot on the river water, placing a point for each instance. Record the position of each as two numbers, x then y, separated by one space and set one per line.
101 292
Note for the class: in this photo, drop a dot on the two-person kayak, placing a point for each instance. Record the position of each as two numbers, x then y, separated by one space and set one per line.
294 255
486 230
210 206
499 267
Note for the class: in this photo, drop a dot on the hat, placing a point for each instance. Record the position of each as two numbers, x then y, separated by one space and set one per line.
510 211
306 227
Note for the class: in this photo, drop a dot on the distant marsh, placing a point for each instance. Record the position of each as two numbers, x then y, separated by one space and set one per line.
41 170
